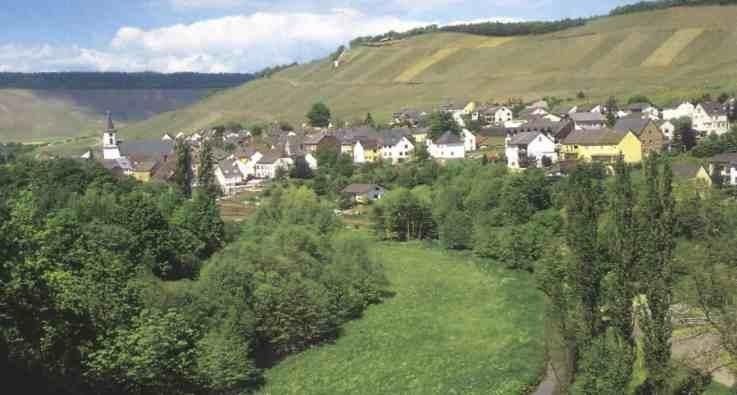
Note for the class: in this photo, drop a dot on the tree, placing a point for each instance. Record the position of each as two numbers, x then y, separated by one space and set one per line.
319 115
657 255
369 120
441 122
638 99
183 171
582 238
684 137
421 153
206 171
611 111
581 95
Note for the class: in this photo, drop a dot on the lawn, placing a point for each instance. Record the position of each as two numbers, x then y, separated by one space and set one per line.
450 328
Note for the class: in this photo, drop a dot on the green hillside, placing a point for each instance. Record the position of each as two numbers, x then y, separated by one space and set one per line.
28 117
666 54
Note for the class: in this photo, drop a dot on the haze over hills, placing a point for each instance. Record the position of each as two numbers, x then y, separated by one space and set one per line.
46 107
667 54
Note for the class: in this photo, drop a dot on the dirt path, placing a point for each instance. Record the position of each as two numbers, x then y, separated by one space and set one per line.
549 383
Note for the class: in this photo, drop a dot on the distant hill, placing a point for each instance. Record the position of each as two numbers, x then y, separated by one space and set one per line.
42 107
666 54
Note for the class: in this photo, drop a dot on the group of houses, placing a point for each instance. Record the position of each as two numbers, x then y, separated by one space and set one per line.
543 136
536 136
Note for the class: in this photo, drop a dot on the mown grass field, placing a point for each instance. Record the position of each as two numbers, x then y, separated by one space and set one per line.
449 329
667 54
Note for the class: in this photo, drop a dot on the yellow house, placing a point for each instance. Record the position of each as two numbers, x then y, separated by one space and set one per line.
470 108
692 173
143 171
420 135
602 145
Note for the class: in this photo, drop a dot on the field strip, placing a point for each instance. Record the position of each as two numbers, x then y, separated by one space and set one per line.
494 42
664 55
416 69
627 46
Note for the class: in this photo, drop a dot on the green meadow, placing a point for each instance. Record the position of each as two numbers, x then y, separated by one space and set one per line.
449 328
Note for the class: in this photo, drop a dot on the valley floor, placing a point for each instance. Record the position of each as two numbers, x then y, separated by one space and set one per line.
449 328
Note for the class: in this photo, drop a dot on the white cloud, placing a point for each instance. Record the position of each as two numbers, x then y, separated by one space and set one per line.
237 43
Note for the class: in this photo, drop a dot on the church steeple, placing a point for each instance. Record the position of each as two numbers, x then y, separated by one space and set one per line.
110 148
110 125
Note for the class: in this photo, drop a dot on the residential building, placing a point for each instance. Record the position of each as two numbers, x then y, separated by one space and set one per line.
496 114
529 149
558 130
668 128
644 109
711 118
321 140
588 120
364 193
469 140
602 145
724 166
646 130
229 175
692 172
447 146
396 145
270 164
684 110
366 150
144 171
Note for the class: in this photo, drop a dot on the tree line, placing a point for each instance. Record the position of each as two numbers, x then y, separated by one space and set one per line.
663 4
122 80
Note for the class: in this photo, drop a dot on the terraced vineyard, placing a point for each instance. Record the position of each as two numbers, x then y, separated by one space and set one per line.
667 54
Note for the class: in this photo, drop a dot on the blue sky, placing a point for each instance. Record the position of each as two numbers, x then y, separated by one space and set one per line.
227 35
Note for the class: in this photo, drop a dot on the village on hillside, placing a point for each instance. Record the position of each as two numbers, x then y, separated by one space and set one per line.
536 135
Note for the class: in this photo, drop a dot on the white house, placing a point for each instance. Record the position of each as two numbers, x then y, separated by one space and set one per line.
246 161
684 110
396 146
364 193
588 120
469 140
710 118
229 175
527 149
667 128
166 137
726 167
645 109
497 114
447 146
270 164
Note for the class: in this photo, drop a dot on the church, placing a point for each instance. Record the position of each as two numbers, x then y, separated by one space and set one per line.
144 160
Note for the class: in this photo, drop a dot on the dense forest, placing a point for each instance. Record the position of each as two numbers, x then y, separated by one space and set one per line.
121 80
111 286
663 4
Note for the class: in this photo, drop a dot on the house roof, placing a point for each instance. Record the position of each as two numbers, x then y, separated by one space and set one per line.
360 188
727 157
394 136
587 117
543 125
594 137
634 124
686 170
524 138
314 139
146 148
563 109
449 138
714 109
229 168
270 157
639 106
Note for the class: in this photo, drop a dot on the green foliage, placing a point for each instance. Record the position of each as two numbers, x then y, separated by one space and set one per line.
606 366
712 145
441 122
469 318
319 115
183 171
638 99
155 355
206 171
402 215
663 4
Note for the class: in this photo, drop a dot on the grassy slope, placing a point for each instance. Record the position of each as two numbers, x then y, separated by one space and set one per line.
450 329
27 117
608 56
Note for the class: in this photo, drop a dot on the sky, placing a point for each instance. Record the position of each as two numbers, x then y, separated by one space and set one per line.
229 35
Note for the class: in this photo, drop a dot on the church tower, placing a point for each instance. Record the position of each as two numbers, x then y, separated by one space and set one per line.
110 149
